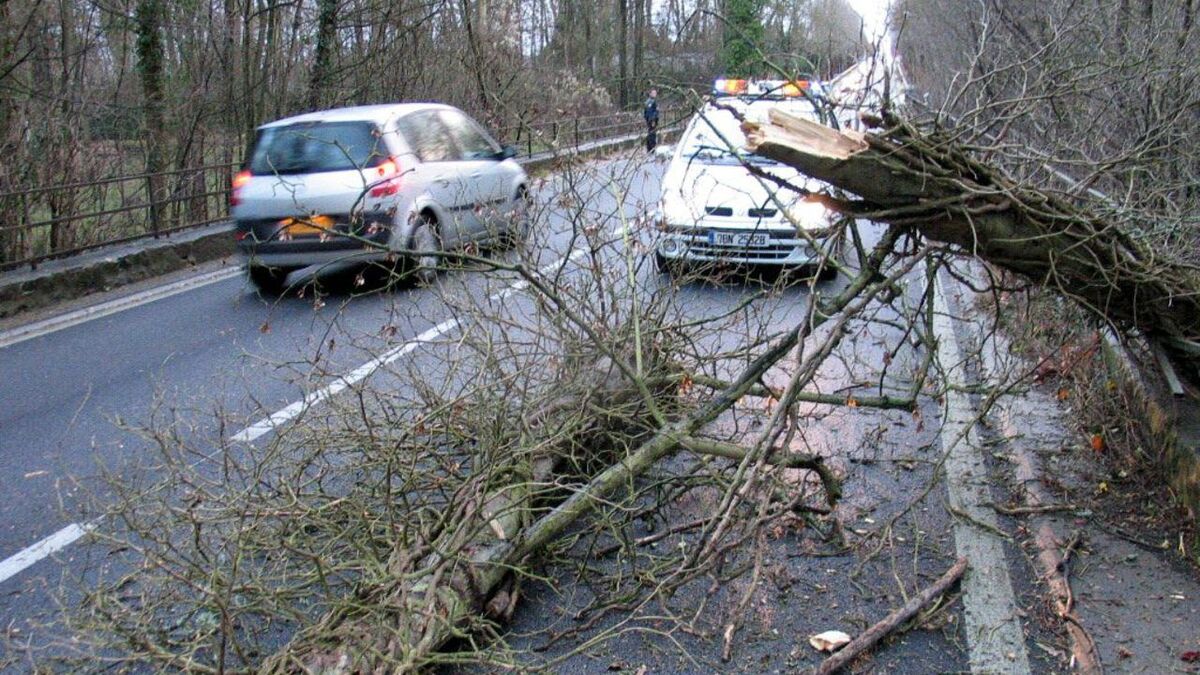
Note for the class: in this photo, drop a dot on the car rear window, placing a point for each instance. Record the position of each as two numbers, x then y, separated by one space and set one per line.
317 147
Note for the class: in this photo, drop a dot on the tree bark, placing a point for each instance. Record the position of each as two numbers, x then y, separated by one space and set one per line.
925 182
149 17
622 52
327 25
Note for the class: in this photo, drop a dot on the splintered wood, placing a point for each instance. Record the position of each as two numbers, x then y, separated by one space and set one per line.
930 183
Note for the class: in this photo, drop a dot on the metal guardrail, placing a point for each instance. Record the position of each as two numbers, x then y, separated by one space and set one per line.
46 222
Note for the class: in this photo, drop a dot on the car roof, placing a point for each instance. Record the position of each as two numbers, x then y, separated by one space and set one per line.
379 114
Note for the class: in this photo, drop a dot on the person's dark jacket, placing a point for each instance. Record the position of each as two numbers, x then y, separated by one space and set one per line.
650 111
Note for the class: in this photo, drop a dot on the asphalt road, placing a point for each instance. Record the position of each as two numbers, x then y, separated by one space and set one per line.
214 361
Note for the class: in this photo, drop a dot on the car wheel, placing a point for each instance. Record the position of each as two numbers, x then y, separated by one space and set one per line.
521 220
269 280
426 244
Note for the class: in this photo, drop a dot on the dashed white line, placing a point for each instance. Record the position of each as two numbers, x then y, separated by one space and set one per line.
68 535
56 542
292 411
55 323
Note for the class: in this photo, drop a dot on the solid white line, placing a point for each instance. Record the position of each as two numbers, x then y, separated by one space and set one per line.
995 638
292 411
56 323
45 548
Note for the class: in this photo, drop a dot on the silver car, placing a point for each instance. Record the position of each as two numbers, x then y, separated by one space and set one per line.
398 183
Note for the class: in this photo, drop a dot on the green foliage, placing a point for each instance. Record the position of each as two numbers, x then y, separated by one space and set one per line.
742 40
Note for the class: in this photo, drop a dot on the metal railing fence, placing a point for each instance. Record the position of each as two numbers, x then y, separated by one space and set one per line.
45 222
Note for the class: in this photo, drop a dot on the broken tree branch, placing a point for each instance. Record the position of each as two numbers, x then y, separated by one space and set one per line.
892 621
925 181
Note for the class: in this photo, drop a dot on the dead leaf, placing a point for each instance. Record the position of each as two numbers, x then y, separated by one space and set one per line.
1190 657
1064 394
829 641
1097 443
685 385
852 402
265 327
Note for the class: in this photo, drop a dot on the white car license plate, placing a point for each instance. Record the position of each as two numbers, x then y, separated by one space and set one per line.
738 239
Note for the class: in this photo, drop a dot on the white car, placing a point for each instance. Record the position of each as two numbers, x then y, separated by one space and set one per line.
715 210
384 182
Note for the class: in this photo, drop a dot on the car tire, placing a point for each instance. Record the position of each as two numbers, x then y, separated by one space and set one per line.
425 239
521 220
269 280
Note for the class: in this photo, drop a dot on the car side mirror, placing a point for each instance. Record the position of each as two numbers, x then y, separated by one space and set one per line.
507 152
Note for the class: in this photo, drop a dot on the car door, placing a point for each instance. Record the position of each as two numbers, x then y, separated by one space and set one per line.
481 170
439 173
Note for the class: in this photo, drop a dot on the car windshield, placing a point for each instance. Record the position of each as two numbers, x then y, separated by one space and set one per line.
317 147
714 138
716 135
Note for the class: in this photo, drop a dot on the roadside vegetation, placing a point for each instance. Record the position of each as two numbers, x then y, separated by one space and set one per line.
168 94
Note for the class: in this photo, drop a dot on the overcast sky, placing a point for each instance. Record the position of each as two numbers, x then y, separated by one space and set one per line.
874 13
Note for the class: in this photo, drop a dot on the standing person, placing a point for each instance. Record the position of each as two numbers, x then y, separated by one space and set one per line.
650 113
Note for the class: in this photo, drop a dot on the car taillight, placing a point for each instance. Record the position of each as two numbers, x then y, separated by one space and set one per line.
388 168
235 188
389 171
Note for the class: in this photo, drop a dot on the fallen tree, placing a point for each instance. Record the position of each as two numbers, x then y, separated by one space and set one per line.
421 603
927 182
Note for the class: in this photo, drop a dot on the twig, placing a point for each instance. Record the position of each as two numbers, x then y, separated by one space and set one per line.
1010 510
897 618
657 536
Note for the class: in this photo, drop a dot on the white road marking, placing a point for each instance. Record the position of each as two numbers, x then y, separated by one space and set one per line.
995 638
68 535
294 410
55 323
45 548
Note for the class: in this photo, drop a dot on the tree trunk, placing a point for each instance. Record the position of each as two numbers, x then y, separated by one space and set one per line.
912 179
322 71
622 51
149 18
639 40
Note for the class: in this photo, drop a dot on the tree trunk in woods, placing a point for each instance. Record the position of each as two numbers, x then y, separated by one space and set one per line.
322 71
622 52
149 18
925 182
639 39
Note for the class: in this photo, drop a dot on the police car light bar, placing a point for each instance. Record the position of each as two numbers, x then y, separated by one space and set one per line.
730 87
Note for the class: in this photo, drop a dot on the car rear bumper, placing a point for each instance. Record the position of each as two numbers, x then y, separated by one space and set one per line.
262 243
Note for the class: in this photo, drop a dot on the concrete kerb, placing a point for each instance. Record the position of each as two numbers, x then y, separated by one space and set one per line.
57 281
